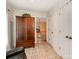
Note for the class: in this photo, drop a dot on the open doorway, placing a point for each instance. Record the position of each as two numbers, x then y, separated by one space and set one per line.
41 30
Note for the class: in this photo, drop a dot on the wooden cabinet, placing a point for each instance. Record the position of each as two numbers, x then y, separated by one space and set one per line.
25 31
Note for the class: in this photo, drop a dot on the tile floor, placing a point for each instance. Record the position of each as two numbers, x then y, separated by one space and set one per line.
42 51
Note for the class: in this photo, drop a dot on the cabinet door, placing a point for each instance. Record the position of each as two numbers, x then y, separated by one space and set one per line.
29 28
19 28
25 31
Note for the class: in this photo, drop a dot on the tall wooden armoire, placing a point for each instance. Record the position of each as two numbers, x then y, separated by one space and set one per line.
25 31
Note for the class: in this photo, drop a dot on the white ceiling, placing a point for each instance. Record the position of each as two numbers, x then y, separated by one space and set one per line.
38 5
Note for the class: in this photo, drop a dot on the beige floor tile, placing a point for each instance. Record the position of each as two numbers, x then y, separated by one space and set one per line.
41 51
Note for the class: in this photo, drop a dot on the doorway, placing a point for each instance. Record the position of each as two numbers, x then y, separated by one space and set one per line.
41 30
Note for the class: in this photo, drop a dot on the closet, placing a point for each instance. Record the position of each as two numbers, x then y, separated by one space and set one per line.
25 31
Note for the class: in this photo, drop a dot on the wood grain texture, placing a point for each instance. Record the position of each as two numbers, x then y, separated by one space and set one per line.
25 31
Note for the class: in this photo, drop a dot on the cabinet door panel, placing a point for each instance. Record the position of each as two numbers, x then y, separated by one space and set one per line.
25 31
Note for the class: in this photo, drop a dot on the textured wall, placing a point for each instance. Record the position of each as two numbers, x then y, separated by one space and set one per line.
60 25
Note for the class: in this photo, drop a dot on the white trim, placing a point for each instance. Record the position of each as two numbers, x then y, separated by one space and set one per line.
47 29
35 32
14 31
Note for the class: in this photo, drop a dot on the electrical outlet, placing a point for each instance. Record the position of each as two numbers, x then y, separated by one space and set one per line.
67 37
70 37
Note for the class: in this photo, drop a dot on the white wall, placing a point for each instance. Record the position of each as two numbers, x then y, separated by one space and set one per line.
9 19
60 23
33 13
